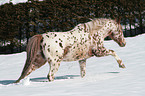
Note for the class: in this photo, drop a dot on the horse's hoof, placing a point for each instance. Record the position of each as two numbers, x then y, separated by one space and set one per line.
50 78
122 66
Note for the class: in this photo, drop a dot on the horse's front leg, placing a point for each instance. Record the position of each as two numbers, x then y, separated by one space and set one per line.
82 67
113 53
104 52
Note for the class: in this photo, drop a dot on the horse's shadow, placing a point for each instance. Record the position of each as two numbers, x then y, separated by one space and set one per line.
40 79
44 79
6 82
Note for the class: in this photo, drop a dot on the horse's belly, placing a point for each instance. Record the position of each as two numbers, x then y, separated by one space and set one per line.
77 52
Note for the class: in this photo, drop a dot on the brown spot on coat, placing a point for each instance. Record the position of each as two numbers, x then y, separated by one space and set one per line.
55 35
60 44
66 50
47 36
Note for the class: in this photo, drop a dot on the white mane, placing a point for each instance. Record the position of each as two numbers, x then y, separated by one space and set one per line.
96 24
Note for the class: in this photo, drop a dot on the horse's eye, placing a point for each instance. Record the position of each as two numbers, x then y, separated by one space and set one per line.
112 34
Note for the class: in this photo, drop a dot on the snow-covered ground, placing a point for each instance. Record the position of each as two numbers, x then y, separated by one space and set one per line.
13 1
103 76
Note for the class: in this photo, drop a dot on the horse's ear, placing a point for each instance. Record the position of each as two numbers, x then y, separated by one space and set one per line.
119 20
115 19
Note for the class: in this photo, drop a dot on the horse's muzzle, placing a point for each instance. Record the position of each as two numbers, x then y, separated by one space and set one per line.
123 44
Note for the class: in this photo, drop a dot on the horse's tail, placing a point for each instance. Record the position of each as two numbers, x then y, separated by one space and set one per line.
35 57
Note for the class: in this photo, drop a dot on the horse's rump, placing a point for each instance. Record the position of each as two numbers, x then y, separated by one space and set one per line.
35 57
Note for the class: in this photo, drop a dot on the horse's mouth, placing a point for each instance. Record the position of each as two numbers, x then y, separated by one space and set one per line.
122 44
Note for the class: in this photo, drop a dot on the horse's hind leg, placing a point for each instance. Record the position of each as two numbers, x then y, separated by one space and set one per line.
82 67
54 65
29 67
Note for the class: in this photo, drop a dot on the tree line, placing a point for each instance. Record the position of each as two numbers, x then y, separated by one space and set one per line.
21 21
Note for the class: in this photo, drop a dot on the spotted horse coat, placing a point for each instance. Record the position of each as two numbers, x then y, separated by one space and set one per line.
82 42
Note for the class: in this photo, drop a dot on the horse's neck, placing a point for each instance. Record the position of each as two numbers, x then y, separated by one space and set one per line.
100 21
102 27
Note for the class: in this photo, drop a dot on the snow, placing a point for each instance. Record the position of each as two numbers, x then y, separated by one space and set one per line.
13 1
25 81
103 76
128 26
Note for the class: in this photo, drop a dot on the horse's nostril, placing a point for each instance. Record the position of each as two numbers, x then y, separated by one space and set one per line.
123 44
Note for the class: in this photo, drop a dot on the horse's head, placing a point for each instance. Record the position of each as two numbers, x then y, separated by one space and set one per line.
117 34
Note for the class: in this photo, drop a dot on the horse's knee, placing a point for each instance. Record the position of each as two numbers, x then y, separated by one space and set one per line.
112 52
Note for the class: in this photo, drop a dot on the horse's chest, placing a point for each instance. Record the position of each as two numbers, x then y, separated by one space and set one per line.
77 52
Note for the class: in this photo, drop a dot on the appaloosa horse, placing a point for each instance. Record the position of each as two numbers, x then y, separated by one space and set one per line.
80 43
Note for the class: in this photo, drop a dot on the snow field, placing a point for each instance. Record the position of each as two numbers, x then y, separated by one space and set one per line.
103 76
